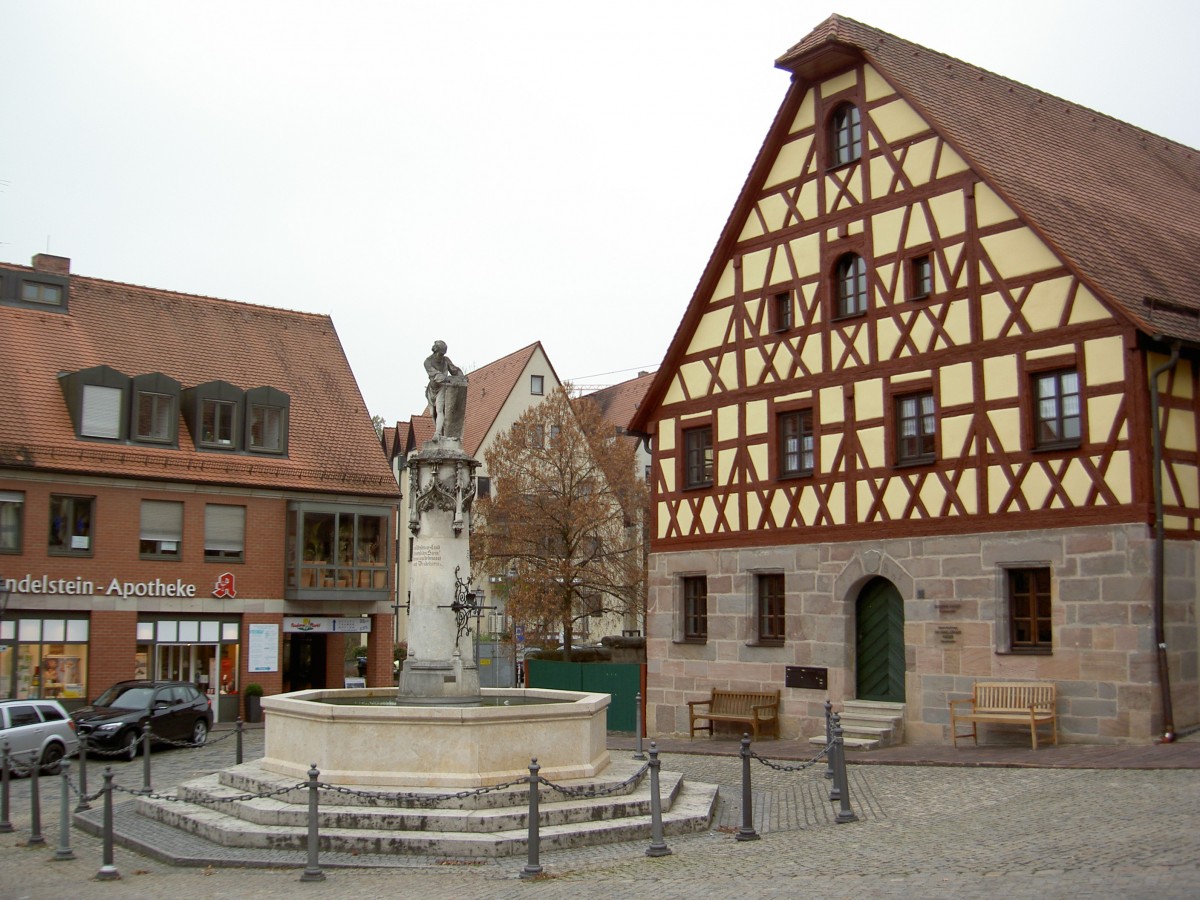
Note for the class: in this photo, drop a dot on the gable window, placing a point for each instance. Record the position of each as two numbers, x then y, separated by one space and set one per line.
781 311
154 415
162 528
1056 417
71 522
850 283
12 503
698 457
537 384
916 423
483 487
224 532
769 608
1029 625
101 412
266 428
845 135
796 442
216 422
920 277
695 608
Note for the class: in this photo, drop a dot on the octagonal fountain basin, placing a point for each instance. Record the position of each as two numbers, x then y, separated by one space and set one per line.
354 742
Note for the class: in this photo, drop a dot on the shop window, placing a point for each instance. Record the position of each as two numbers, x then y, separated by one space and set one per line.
161 529
224 532
49 659
71 523
12 504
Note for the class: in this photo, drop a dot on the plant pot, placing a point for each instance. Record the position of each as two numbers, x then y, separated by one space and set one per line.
253 708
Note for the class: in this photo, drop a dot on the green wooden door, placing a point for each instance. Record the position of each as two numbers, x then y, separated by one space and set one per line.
880 617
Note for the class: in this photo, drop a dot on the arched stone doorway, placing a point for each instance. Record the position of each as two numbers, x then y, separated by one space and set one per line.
879 627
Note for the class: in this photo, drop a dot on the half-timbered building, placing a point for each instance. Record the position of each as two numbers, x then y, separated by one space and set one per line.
930 415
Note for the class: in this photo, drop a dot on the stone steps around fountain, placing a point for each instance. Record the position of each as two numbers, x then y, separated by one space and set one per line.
564 824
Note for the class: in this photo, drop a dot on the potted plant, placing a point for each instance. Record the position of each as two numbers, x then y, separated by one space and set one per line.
253 694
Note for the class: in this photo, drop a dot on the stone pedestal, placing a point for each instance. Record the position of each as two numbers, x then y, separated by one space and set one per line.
441 669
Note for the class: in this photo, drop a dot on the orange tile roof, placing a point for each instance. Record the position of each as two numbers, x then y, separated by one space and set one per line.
619 402
1119 203
332 445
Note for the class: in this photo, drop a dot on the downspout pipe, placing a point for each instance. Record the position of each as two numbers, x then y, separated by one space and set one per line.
1160 631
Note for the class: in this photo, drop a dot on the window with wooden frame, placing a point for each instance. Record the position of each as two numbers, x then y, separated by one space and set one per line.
161 529
224 532
920 277
698 457
1056 410
845 135
916 428
1029 627
796 446
770 608
781 311
695 608
850 286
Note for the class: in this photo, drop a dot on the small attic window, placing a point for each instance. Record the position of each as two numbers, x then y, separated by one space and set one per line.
537 385
41 292
845 135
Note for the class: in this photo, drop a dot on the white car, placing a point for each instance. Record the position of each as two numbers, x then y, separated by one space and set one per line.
38 731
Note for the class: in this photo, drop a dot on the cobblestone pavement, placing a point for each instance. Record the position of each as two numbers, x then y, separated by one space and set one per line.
921 832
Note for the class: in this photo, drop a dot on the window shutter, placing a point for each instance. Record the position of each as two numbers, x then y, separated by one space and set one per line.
162 521
225 528
101 412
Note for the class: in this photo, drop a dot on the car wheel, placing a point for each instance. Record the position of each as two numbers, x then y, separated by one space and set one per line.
130 743
200 733
51 759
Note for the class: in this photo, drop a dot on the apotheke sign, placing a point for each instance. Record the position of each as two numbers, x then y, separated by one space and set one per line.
33 584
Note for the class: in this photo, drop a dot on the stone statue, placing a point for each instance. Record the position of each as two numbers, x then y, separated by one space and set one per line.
444 375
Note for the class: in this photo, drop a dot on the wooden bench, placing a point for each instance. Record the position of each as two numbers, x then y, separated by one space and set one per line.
758 709
1031 703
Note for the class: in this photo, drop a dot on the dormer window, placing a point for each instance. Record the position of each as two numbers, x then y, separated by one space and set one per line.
213 415
155 409
216 422
42 292
845 135
96 400
101 412
267 420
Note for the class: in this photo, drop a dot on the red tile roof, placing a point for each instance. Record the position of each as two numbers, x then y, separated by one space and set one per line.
619 402
332 445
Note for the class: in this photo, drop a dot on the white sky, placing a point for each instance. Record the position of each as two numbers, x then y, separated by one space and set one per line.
487 173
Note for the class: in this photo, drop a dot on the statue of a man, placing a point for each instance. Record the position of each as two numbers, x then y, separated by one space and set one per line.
439 369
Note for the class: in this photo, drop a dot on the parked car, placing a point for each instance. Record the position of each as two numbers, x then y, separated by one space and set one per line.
176 711
37 730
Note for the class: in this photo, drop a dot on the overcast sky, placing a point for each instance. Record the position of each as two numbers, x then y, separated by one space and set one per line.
489 173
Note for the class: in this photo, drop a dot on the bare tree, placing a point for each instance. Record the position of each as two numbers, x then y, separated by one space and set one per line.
564 519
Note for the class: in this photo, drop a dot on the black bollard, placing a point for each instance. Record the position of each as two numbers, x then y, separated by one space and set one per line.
658 847
746 832
64 850
35 805
83 803
532 866
312 872
828 738
146 789
108 872
640 754
845 813
835 792
5 824
239 740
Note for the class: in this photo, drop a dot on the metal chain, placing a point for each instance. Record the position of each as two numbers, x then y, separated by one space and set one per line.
214 801
405 797
821 754
589 792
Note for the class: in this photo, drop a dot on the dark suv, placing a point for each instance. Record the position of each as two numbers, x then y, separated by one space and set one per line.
176 711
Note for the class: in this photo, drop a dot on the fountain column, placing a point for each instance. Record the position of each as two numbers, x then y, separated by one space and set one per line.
441 669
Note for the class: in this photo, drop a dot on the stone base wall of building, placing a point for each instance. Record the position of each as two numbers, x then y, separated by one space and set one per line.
954 590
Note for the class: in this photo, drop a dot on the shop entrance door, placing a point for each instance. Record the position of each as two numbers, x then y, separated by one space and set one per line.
196 663
305 662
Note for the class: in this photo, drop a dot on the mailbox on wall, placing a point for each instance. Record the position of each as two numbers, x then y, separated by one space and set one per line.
808 677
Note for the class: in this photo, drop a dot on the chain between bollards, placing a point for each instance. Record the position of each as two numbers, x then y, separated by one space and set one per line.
658 847
108 872
640 753
746 832
532 865
64 850
312 872
5 824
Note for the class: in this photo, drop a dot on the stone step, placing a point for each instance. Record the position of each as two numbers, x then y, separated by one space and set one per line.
873 706
691 811
850 743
